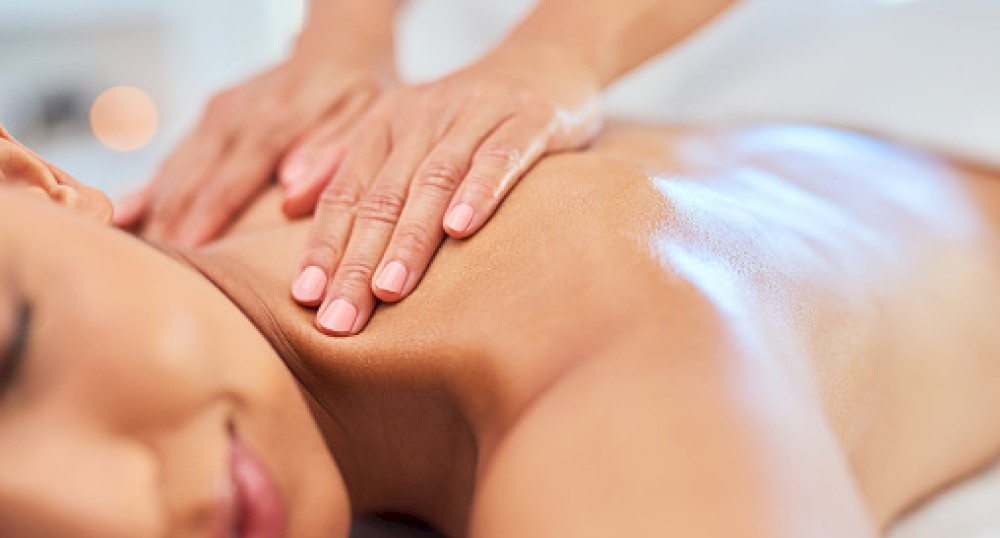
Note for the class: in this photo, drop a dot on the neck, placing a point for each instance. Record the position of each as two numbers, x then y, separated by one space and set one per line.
402 448
392 424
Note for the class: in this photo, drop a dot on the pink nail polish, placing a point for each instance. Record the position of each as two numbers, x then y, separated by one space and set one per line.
393 277
295 172
309 287
459 218
339 316
294 190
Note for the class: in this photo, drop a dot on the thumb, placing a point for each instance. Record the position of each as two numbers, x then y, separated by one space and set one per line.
130 210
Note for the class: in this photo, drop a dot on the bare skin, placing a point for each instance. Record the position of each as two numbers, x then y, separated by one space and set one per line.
532 342
389 170
769 332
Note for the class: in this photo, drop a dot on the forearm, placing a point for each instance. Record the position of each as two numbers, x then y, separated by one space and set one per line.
361 29
612 37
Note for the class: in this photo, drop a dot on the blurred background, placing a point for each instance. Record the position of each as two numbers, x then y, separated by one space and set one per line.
57 57
104 88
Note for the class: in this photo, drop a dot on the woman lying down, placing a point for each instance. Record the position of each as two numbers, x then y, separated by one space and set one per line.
771 332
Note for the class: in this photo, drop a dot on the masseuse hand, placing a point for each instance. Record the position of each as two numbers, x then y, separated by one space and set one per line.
430 160
247 134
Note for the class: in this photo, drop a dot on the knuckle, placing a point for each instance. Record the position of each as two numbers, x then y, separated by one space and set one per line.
480 92
219 106
381 205
502 154
339 197
441 176
528 100
538 113
433 106
356 270
480 186
322 255
271 140
222 201
412 239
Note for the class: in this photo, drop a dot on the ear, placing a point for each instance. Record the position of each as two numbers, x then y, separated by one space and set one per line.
22 168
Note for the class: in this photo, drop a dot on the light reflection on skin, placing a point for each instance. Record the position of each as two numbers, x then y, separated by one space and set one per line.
768 223
563 123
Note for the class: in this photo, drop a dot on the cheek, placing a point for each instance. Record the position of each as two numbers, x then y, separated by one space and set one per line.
127 386
137 351
137 360
57 480
130 419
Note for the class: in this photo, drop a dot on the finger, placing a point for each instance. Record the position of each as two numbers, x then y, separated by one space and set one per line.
335 212
191 162
180 177
130 210
376 218
419 233
237 180
497 166
318 152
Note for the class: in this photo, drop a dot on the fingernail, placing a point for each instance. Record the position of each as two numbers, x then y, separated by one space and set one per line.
308 288
339 316
125 212
295 172
294 190
459 218
393 277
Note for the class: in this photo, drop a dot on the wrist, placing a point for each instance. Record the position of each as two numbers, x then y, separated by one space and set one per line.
343 54
353 32
550 34
539 59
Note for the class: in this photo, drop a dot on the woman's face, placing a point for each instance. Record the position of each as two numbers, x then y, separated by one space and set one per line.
135 399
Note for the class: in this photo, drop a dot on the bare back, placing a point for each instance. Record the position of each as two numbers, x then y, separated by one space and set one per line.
673 305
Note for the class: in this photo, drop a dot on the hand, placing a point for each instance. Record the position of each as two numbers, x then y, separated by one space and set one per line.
430 160
312 99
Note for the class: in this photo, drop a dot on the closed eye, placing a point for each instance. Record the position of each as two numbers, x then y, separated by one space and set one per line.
13 355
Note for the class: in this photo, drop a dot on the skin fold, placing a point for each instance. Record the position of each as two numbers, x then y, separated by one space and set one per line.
770 331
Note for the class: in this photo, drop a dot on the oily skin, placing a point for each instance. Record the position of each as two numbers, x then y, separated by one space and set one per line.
391 170
576 225
120 428
518 404
435 160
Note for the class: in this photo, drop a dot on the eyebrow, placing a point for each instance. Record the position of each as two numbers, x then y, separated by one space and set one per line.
13 355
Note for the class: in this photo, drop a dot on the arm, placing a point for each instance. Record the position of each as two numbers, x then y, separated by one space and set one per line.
341 61
612 38
437 159
350 27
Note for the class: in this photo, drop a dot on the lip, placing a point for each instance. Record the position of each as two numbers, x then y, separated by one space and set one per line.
255 508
